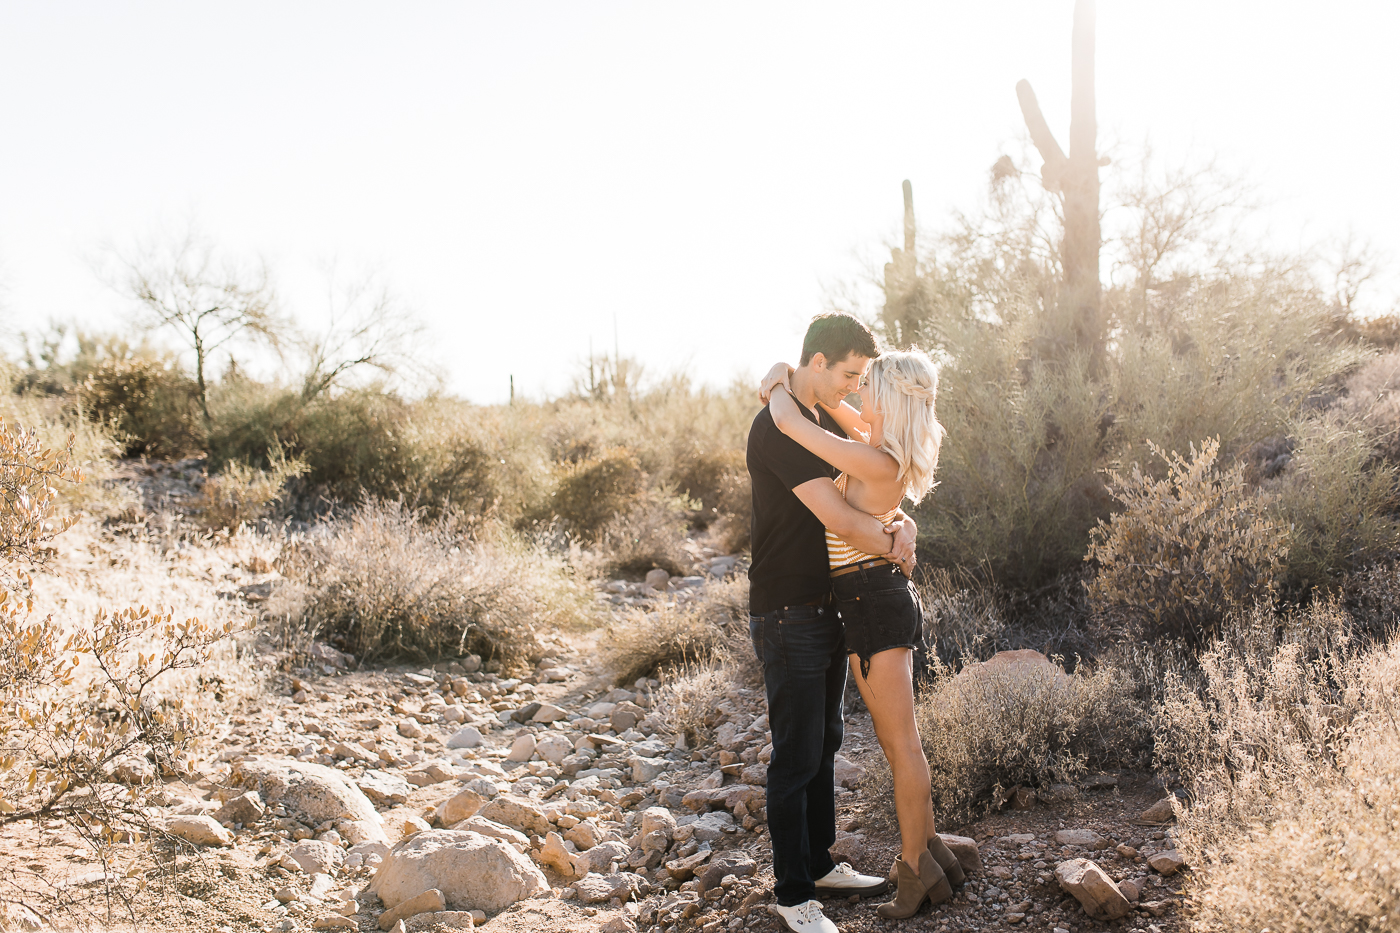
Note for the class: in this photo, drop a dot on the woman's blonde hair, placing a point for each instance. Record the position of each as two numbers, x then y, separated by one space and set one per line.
903 384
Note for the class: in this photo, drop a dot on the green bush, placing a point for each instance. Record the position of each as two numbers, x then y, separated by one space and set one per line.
1186 550
153 405
591 493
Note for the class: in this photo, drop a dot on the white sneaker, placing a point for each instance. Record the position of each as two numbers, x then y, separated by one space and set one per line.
804 918
843 879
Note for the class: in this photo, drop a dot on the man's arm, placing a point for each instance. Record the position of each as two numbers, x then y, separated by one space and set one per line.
855 527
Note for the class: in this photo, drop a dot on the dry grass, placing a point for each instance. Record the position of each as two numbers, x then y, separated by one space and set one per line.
987 730
1293 755
390 582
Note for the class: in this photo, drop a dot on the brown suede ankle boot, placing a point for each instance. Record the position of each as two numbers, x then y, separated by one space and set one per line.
947 861
915 887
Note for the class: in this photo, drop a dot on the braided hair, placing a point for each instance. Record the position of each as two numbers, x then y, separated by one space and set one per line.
903 385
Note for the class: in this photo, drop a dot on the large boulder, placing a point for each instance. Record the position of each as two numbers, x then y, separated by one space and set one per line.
312 793
1025 664
473 872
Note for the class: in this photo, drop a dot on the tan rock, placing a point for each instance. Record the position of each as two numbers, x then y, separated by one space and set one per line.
334 922
1100 897
1159 812
312 793
463 805
969 856
472 871
556 855
1084 838
1167 863
493 830
201 829
429 901
443 921
245 808
520 813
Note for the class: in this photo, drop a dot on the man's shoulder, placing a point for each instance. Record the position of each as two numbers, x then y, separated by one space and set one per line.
762 428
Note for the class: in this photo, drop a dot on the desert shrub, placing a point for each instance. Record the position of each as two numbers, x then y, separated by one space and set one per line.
650 534
1326 861
1186 549
1289 749
962 619
84 728
992 727
1338 502
240 493
392 582
702 633
91 448
151 403
591 492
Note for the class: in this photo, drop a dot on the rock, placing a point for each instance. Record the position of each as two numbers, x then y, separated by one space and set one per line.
1168 862
200 829
969 856
657 578
730 863
646 770
402 827
584 835
526 712
465 737
132 769
756 774
471 664
314 857
848 847
245 808
429 901
555 854
493 830
472 871
1093 889
1099 782
442 921
312 793
625 715
333 922
409 729
522 749
520 813
430 772
352 750
463 805
848 773
658 819
1159 812
554 748
601 857
548 713
595 888
683 869
1015 666
1022 798
1084 838
622 923
383 788
1131 889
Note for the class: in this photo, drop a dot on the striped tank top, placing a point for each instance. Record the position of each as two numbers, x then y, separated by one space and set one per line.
838 552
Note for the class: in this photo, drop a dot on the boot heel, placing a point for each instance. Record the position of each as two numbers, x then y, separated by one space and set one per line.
947 861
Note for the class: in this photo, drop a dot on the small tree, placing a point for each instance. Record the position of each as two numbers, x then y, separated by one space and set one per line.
370 328
204 299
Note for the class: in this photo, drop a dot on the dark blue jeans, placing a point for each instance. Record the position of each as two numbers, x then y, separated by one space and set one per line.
804 671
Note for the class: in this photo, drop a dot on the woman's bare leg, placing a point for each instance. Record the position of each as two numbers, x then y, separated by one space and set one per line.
891 704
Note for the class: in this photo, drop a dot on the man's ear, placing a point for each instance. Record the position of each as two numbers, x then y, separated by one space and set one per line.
818 361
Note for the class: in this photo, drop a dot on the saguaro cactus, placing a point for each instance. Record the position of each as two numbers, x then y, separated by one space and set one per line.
901 311
1076 179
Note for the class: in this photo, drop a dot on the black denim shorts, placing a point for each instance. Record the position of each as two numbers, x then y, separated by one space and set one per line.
880 610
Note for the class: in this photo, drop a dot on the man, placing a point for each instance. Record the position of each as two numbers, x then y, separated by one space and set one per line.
796 634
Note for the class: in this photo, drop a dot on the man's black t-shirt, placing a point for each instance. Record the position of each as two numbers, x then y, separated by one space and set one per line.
789 543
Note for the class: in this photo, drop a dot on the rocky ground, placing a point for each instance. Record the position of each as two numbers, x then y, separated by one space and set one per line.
453 796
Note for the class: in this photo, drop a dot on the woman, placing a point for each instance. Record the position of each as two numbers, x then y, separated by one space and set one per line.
894 454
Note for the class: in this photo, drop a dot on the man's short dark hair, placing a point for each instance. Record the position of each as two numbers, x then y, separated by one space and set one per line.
836 336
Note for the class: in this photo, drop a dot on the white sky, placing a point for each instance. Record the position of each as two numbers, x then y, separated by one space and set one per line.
524 172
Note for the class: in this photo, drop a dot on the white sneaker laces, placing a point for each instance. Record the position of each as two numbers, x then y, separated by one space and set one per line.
843 869
810 912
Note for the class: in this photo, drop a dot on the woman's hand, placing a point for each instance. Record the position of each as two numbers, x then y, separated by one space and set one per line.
779 375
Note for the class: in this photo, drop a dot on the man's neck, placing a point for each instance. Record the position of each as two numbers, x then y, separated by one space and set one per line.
803 388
